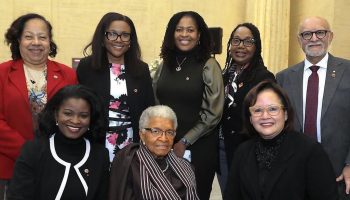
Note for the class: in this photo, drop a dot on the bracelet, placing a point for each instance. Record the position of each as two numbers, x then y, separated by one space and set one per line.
185 142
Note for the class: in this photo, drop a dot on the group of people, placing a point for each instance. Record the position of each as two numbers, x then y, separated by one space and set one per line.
120 134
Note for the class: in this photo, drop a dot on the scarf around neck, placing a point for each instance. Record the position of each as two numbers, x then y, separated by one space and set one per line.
155 185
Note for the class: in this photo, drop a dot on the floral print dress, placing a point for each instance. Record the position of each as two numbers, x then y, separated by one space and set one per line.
120 131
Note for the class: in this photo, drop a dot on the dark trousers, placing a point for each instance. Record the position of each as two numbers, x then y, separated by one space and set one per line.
3 188
341 191
205 161
223 167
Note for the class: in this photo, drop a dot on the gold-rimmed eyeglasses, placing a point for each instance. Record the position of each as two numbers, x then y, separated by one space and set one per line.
272 110
156 132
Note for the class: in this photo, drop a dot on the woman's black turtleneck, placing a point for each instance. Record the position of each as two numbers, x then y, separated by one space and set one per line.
266 151
71 151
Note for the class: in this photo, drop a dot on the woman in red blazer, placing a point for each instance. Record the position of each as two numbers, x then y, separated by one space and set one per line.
27 82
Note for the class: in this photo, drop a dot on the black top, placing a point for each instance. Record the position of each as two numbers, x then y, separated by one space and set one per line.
71 151
301 170
183 92
39 173
232 122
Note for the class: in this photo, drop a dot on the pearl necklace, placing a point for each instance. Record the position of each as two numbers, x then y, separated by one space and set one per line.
179 64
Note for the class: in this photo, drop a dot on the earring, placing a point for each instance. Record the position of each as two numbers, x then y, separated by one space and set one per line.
199 42
144 143
56 123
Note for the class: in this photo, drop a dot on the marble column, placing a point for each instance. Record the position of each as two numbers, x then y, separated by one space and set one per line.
272 17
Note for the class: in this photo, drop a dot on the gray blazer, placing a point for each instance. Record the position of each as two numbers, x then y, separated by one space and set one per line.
335 114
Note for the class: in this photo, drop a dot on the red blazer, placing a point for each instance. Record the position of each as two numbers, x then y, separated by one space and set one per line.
15 115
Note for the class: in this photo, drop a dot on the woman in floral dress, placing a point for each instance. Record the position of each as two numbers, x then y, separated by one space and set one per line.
113 69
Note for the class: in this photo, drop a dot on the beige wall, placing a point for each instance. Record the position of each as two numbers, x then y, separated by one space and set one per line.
335 11
74 22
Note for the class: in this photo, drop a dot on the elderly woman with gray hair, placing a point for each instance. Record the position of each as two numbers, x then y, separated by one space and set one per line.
150 170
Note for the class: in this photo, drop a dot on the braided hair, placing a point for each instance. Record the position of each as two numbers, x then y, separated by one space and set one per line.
257 60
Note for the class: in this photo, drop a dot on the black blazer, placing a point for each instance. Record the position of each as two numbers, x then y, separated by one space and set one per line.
232 116
139 88
301 171
38 176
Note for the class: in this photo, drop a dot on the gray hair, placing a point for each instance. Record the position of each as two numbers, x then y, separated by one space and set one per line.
157 111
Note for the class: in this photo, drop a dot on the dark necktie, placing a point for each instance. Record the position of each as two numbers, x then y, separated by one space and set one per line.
310 127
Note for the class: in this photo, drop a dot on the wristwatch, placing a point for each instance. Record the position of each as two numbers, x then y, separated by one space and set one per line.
185 142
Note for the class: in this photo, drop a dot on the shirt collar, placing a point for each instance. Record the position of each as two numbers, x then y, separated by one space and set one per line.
321 64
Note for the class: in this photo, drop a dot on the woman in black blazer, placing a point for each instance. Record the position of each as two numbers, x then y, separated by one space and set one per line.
64 161
244 69
277 163
115 71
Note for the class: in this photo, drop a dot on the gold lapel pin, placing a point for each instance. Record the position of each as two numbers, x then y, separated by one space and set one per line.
333 74
240 85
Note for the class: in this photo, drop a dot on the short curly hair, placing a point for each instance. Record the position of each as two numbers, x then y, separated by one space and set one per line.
14 33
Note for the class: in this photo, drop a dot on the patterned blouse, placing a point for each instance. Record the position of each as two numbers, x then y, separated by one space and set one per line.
120 131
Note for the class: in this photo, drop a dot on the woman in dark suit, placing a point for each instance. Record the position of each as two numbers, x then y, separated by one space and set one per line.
244 68
64 161
114 70
277 163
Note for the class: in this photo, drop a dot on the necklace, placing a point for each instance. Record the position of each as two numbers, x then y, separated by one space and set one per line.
35 77
179 64
167 166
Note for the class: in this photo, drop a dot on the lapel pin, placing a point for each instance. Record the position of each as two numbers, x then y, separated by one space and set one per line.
86 171
240 85
55 76
187 78
333 74
135 90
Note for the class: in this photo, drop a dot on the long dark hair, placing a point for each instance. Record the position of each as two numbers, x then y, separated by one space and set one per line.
257 60
14 34
99 57
203 49
98 121
251 98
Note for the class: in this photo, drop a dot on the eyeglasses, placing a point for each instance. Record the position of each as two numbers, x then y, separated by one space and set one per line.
246 42
272 110
113 36
320 34
156 132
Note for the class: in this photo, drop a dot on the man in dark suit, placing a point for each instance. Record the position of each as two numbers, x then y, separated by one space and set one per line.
332 98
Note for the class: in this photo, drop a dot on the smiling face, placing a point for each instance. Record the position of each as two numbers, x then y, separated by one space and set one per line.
159 146
242 54
315 49
34 44
117 48
186 34
73 117
268 126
